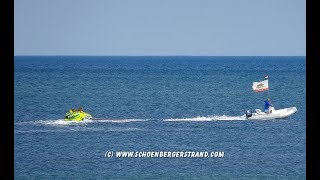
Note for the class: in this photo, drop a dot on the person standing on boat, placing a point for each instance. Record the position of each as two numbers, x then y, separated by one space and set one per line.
267 105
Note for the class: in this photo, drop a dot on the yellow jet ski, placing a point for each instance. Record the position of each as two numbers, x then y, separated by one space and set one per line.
77 115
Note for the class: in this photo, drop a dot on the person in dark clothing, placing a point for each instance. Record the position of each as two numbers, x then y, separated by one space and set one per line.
267 105
80 109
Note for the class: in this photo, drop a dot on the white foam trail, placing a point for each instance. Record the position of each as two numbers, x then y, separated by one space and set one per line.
76 129
210 118
118 120
63 122
58 122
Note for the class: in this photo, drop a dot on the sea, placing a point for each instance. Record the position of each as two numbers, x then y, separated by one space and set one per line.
158 117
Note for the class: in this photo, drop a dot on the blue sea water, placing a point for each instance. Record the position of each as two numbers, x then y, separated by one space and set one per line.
157 104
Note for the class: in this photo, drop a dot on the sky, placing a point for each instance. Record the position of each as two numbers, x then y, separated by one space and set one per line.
160 27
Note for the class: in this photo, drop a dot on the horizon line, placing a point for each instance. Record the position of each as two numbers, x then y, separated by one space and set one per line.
174 55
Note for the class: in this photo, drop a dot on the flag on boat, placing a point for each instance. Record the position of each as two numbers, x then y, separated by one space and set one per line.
266 77
260 86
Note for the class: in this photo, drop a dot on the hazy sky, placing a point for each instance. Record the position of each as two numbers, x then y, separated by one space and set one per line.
160 27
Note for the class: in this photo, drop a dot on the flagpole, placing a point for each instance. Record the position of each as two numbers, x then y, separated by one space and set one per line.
267 77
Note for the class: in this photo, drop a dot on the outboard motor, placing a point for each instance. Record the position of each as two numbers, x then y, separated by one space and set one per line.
248 114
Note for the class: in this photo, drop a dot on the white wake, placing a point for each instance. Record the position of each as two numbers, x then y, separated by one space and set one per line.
209 118
86 121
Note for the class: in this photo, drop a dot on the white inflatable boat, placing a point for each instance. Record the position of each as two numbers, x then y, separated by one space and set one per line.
272 114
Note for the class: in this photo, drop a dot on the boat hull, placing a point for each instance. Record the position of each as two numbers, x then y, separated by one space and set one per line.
275 114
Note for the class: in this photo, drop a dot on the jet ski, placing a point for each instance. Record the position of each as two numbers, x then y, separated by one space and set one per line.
77 115
271 114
